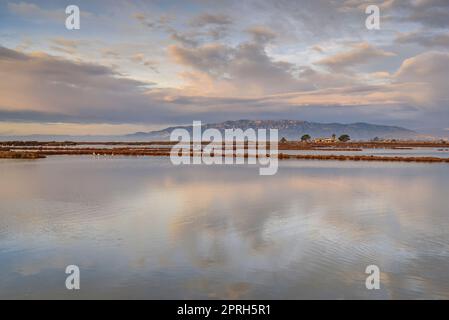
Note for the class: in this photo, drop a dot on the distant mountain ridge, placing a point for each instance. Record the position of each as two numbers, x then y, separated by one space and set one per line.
294 129
290 129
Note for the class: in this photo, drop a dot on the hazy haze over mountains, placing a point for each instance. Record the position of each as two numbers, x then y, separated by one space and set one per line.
294 129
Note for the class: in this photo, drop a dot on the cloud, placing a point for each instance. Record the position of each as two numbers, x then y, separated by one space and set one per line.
110 53
58 90
11 55
245 70
209 58
195 30
213 26
43 87
184 39
425 39
139 16
431 70
206 19
66 45
433 13
360 5
416 92
261 34
318 49
140 58
63 42
250 59
161 22
359 54
223 82
31 10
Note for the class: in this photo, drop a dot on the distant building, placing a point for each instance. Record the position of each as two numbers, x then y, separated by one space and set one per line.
325 140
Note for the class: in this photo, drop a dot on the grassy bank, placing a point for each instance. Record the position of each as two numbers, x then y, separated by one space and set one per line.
20 155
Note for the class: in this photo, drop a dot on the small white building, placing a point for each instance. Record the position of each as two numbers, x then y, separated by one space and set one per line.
325 140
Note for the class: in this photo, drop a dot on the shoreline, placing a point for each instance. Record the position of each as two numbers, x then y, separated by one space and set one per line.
20 155
39 150
289 145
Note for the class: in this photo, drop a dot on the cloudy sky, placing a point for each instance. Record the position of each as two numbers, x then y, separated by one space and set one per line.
142 65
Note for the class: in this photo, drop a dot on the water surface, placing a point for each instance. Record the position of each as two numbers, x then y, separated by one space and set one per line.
142 228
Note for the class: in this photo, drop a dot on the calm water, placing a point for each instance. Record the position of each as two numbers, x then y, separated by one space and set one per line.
141 228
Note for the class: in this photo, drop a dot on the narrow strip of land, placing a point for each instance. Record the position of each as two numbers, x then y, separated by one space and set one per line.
20 155
289 145
364 158
281 156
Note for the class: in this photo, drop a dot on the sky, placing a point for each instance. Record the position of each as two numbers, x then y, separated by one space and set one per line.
144 65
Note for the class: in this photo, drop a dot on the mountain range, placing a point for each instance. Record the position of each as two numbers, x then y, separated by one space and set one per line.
294 129
290 129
